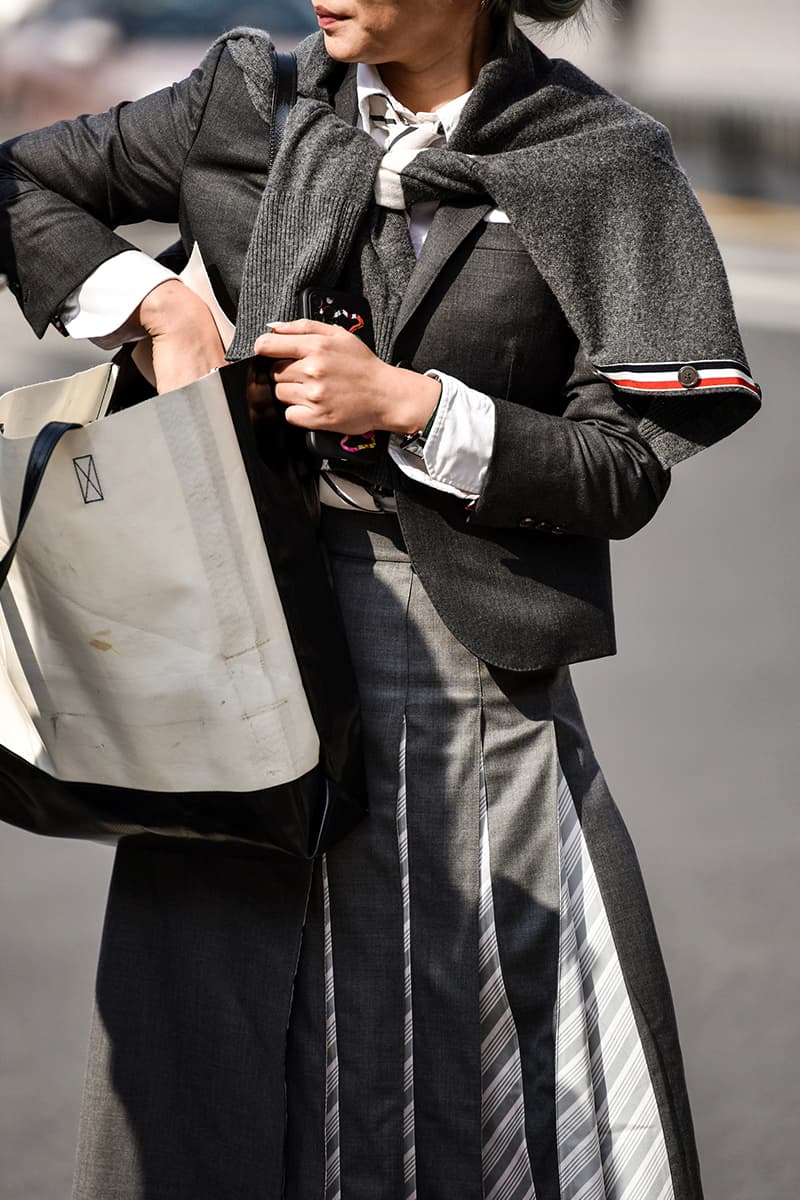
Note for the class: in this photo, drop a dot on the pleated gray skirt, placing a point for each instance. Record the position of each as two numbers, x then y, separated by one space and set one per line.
463 1000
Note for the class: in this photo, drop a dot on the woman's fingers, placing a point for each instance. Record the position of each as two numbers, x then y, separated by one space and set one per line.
287 370
278 345
304 418
292 393
303 326
294 339
327 379
294 383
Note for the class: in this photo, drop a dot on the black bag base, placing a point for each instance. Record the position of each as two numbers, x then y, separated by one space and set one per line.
301 818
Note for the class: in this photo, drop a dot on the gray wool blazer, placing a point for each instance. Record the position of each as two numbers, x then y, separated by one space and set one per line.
522 578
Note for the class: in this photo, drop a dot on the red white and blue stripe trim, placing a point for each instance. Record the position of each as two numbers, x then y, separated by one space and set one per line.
679 377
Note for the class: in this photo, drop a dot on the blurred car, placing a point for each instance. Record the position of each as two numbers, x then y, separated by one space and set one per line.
60 58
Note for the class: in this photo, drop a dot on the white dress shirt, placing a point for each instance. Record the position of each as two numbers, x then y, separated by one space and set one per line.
455 455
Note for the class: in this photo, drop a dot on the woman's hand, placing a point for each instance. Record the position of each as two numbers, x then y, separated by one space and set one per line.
328 379
183 343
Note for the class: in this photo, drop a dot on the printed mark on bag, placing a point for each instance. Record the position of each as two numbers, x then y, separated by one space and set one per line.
88 479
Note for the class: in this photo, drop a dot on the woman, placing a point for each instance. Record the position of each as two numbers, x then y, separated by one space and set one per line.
465 998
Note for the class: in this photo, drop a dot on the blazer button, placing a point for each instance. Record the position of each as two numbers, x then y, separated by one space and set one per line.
527 522
689 376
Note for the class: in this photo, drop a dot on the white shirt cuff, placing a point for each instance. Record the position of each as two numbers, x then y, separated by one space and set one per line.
457 451
102 307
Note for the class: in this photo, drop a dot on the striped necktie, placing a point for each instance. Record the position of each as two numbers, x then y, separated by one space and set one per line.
403 142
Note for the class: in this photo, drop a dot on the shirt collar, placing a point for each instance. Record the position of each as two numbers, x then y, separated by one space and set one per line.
369 83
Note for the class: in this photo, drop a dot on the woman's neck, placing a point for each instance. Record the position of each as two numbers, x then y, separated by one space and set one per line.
437 76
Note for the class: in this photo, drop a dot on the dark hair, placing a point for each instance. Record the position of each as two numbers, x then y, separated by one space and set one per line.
544 11
547 10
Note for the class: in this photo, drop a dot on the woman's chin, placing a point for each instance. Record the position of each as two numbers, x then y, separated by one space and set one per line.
341 47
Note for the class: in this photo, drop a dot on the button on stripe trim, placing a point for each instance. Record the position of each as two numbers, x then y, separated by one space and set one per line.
665 377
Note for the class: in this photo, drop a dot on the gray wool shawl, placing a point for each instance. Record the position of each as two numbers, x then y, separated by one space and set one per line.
591 187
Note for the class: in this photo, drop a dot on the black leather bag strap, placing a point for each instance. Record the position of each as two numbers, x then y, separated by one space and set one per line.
284 95
43 446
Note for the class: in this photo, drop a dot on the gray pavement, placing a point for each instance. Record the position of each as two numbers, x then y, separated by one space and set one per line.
696 723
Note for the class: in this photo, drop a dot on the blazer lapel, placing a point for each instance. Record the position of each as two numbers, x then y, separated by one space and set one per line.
452 223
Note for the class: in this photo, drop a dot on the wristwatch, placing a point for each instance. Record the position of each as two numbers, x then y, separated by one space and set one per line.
415 442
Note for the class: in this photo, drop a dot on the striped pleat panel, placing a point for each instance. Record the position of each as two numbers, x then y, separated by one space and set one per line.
611 1143
333 1183
409 1149
506 1163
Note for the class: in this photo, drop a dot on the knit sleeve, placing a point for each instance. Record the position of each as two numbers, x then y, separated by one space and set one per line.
611 221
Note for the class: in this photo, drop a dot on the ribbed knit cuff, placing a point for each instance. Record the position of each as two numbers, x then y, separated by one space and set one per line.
298 242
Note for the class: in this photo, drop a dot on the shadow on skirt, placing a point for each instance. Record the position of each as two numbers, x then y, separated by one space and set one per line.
464 1000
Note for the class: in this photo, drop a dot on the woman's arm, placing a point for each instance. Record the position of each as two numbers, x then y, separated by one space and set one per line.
64 189
587 472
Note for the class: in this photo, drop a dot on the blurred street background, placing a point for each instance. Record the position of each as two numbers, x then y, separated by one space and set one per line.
697 721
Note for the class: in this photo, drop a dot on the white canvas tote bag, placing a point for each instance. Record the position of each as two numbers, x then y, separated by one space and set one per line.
149 678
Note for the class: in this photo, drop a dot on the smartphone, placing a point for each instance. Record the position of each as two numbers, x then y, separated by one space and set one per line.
351 312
